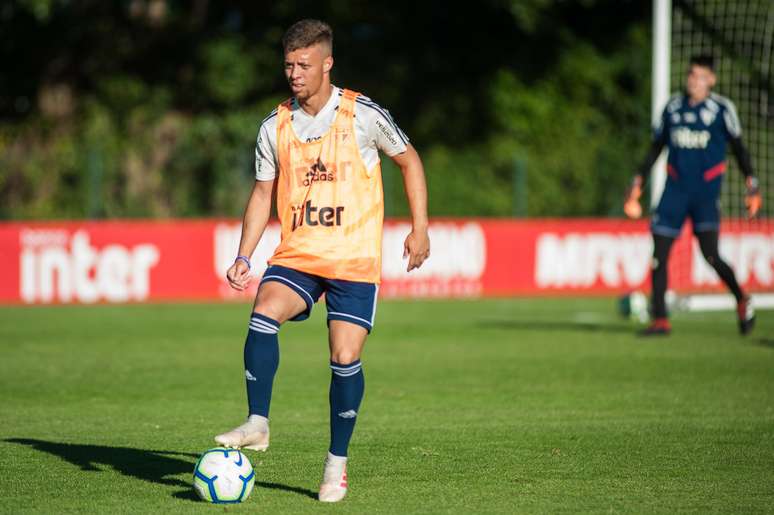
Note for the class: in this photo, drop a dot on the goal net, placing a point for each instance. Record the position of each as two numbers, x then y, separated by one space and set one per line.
739 34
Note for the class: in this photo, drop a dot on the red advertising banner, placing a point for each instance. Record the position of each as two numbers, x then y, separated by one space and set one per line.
135 261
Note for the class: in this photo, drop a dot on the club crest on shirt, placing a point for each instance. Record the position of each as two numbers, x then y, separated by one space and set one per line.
707 116
342 134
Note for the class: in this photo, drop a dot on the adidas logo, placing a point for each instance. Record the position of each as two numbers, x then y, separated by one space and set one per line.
249 376
348 414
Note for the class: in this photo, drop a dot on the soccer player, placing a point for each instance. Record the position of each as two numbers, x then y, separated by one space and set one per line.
319 149
695 126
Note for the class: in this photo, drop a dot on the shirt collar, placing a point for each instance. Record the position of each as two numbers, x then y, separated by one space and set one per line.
329 106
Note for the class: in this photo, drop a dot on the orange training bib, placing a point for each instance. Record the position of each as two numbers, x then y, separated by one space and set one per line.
330 207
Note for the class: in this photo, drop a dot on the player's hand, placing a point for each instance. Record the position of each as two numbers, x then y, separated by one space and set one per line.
753 197
632 206
238 275
416 248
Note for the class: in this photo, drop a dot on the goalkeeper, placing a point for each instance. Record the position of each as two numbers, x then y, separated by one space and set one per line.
695 126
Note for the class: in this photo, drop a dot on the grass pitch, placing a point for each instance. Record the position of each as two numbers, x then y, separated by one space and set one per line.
497 406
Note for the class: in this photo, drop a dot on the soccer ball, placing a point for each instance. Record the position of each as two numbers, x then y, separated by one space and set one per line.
223 476
635 306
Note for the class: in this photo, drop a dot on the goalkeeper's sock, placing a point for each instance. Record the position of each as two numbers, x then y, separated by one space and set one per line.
661 247
261 361
708 242
726 274
347 387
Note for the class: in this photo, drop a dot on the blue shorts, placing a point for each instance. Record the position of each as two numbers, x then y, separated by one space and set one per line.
350 301
676 205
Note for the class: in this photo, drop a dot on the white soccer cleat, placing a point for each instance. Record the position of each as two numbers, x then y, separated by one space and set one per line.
334 483
253 434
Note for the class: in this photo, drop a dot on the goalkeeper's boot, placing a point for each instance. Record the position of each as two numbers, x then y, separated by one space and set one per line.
253 434
746 315
334 482
659 327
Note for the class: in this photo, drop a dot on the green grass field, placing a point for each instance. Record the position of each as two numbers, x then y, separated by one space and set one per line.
501 406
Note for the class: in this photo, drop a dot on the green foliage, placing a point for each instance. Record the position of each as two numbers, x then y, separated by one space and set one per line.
574 130
460 183
150 108
229 70
40 9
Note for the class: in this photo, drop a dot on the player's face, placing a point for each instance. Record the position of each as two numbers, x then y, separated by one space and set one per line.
307 69
699 82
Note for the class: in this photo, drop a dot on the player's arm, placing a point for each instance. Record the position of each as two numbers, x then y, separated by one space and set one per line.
384 134
258 208
254 222
752 198
632 206
643 171
417 244
734 134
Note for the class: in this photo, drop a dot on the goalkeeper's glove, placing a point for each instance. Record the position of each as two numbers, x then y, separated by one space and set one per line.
632 206
753 197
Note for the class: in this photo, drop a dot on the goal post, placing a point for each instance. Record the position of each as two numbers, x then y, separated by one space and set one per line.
662 42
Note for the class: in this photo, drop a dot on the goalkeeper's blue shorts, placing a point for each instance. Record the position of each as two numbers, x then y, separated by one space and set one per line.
676 205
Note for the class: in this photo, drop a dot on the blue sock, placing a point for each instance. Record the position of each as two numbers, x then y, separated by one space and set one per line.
261 362
347 386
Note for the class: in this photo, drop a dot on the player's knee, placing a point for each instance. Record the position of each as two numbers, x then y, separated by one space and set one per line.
278 302
344 356
710 254
268 310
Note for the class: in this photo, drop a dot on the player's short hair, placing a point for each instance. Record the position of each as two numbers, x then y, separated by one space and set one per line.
306 33
703 60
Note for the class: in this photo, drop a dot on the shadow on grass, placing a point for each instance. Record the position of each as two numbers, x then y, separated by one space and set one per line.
286 488
190 495
147 465
766 342
556 325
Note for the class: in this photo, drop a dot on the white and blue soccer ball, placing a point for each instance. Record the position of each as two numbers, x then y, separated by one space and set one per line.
223 476
634 305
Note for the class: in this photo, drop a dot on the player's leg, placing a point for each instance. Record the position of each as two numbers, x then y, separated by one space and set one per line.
666 225
706 221
659 279
351 309
275 303
346 342
708 242
284 294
